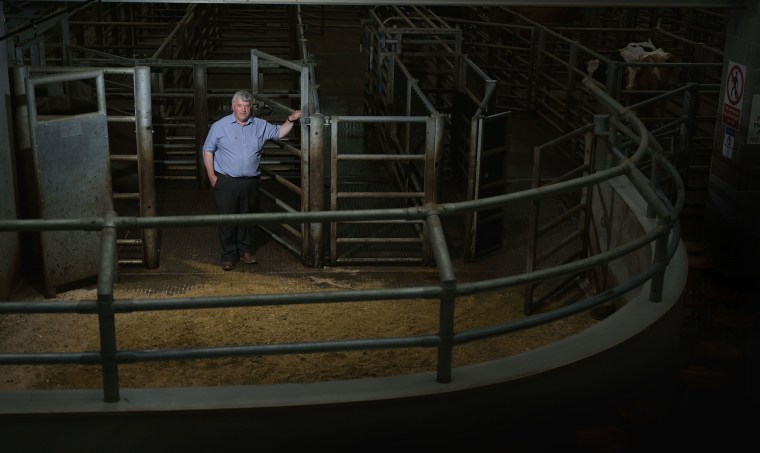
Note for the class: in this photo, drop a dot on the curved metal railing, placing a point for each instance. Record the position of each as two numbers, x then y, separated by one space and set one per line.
663 237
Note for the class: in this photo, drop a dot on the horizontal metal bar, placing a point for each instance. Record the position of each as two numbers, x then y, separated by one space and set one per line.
372 240
420 195
401 157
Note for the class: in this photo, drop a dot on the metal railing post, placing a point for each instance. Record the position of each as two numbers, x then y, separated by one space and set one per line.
145 163
602 129
316 186
106 317
448 298
660 258
200 102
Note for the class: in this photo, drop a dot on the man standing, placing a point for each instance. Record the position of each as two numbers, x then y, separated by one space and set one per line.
232 157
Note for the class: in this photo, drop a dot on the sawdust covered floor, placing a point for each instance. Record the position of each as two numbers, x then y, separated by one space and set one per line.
189 266
176 329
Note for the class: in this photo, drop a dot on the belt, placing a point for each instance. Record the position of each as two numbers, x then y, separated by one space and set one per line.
236 177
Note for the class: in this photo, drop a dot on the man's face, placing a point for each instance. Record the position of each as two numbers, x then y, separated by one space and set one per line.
242 110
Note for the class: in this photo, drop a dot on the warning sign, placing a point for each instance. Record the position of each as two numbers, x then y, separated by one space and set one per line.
729 143
734 95
731 116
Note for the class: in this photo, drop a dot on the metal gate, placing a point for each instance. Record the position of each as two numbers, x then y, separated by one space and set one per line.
559 227
279 87
486 230
71 162
397 171
423 53
129 119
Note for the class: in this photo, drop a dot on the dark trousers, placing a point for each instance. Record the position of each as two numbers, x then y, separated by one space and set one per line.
236 196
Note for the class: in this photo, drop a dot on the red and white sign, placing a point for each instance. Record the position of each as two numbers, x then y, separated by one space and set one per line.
734 95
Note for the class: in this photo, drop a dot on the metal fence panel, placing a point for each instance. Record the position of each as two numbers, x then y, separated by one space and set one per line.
74 182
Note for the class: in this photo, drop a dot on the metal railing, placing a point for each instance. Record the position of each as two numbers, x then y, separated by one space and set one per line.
447 291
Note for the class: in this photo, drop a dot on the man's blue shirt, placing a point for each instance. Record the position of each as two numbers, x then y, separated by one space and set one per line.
237 149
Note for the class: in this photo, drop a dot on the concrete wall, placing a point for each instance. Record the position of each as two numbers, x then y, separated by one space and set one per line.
732 217
9 242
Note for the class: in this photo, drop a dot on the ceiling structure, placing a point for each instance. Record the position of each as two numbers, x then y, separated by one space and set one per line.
722 4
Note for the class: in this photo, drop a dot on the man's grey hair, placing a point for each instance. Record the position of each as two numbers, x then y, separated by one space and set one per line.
242 95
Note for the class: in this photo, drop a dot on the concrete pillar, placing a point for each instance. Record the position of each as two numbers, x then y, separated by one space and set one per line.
732 212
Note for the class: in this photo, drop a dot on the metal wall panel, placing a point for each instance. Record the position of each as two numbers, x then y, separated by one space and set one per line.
74 182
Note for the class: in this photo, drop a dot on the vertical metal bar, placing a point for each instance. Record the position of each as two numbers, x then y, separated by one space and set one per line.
306 155
654 177
145 163
255 82
534 67
106 318
436 164
686 133
408 112
100 89
316 127
20 74
28 191
473 170
587 193
570 100
660 258
612 78
334 188
448 298
602 129
530 258
31 106
200 104
65 38
431 188
305 95
434 136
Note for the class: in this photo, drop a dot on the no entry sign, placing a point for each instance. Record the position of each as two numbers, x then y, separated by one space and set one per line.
734 95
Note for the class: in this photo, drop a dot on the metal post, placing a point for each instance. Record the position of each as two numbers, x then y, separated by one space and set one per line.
65 39
106 318
660 258
30 242
256 81
145 163
200 102
305 141
20 74
316 180
654 178
434 136
448 298
602 130
683 162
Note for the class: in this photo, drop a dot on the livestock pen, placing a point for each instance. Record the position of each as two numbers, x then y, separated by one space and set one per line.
606 266
539 69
